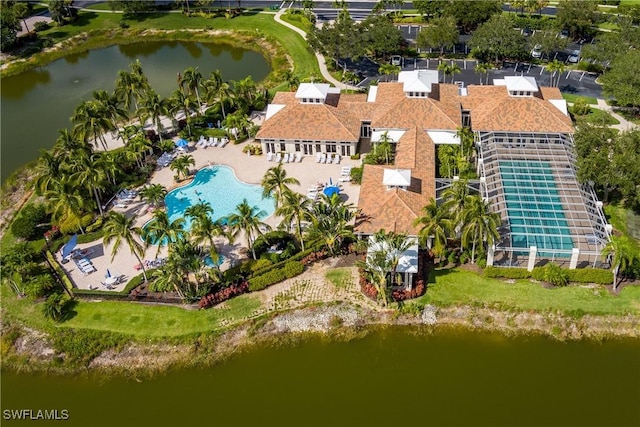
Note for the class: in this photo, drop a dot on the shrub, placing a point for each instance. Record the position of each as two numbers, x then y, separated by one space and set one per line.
509 273
415 292
24 228
123 24
367 288
590 275
356 175
278 240
40 26
275 275
555 275
355 156
39 286
581 107
224 294
589 67
313 257
260 264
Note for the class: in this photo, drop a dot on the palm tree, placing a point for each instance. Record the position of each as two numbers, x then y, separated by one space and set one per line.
199 210
455 199
555 67
153 194
155 108
137 148
162 231
225 95
119 228
87 172
434 227
479 224
48 172
623 257
205 230
483 68
453 70
192 78
275 180
388 69
65 203
292 80
179 101
111 107
247 219
70 141
130 86
92 121
181 166
330 222
444 67
294 207
239 121
376 266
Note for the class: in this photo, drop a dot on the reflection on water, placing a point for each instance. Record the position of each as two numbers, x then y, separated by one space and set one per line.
37 103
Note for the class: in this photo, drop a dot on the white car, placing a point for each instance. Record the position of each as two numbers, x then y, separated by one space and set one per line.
536 52
396 60
574 57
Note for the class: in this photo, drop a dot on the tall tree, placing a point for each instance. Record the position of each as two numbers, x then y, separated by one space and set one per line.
480 226
155 108
623 80
120 229
181 166
430 8
556 68
295 208
469 14
497 39
153 194
434 227
622 256
441 33
577 16
276 182
247 219
192 78
162 231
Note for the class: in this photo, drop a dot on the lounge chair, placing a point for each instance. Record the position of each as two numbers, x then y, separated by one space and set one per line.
318 157
345 179
269 157
299 157
345 171
286 158
324 158
278 157
223 142
336 159
121 205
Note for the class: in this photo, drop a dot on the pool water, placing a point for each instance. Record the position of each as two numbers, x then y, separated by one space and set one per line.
218 186
208 261
535 211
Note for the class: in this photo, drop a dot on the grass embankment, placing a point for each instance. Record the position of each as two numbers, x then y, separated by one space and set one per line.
103 29
571 98
460 287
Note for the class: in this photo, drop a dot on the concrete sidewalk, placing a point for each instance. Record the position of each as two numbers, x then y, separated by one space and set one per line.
321 60
624 123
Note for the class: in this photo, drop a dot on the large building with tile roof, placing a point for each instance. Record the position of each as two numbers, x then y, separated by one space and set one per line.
523 135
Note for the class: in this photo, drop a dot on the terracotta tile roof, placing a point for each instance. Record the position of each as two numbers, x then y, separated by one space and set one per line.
492 109
395 110
322 122
396 209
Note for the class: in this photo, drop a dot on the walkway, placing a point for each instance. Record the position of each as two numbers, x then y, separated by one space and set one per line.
321 61
624 123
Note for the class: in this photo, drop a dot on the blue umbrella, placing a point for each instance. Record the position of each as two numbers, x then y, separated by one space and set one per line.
331 190
108 274
66 249
182 143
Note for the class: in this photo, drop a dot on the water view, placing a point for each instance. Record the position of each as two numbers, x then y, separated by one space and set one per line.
37 103
395 377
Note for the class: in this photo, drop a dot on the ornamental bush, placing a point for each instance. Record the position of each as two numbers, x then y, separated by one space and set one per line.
591 275
224 294
555 275
24 228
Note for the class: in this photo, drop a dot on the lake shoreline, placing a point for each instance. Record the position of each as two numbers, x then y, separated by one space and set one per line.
33 353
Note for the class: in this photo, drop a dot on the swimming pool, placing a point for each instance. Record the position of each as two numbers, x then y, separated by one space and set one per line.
534 208
218 186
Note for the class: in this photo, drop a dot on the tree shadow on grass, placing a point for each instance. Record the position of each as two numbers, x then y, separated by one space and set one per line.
68 311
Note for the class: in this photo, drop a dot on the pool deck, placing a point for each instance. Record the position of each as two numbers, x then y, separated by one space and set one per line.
249 169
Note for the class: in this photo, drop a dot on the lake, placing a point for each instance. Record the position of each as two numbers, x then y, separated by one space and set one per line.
37 103
398 376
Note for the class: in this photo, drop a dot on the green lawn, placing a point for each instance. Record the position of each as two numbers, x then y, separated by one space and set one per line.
569 97
158 321
598 117
258 23
338 277
456 286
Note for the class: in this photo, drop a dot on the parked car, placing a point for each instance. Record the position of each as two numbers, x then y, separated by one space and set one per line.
536 52
527 31
574 58
396 60
563 34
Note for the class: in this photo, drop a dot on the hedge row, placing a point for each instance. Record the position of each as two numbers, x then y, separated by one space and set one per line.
289 270
583 275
